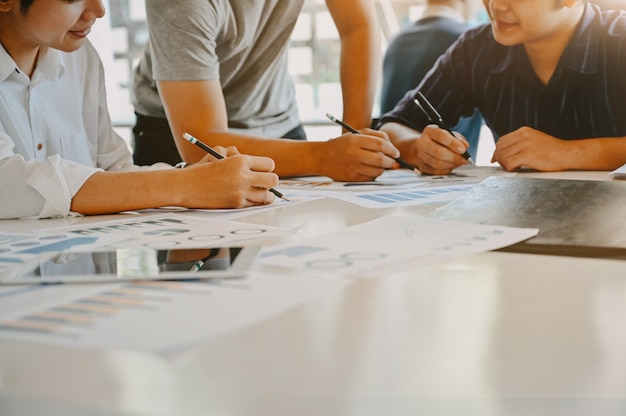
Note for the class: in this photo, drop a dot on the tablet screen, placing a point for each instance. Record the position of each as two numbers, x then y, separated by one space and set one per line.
135 264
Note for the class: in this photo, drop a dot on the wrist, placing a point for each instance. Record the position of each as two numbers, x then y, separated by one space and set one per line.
320 157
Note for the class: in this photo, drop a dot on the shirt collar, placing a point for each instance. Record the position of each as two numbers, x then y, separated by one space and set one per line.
49 65
514 55
442 11
580 54
7 65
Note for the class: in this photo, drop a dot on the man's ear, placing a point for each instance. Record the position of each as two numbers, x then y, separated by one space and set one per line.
6 5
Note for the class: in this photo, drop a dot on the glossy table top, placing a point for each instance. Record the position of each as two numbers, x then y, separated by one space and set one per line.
488 334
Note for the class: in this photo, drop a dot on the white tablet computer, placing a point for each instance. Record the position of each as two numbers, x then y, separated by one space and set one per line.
124 264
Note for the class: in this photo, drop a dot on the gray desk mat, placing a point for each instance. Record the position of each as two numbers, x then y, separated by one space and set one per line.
574 217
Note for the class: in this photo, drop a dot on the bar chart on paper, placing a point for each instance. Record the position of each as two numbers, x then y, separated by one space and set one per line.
172 316
80 317
403 197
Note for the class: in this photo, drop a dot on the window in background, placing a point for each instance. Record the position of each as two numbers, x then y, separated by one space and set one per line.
120 38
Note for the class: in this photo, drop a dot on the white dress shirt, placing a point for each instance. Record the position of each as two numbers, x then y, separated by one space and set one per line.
55 132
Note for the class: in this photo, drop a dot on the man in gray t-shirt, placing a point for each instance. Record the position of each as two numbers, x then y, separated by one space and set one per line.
218 70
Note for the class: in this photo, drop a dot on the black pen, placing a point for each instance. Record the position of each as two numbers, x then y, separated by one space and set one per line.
217 155
434 116
351 129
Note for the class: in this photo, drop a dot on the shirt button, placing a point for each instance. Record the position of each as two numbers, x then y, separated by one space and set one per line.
39 146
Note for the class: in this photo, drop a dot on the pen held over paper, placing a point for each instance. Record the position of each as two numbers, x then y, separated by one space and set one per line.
217 155
434 116
351 129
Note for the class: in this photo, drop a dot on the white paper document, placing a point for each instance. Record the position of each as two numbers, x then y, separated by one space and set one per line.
391 198
165 231
363 250
175 230
16 249
233 213
390 179
162 317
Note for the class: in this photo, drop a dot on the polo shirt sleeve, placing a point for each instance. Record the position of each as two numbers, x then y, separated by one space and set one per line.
183 43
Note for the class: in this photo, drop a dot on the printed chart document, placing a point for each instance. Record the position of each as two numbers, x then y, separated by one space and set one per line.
403 197
175 230
233 213
363 250
390 179
162 317
16 249
165 231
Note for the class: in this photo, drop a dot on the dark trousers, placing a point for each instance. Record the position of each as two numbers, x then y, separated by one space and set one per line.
153 141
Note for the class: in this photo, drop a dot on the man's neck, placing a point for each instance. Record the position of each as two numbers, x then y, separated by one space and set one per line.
25 57
544 54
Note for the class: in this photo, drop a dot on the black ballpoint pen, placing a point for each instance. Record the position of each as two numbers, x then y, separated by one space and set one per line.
434 116
217 155
402 163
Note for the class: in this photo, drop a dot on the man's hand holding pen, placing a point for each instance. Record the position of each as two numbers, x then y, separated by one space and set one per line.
356 157
438 152
247 180
433 115
433 151
401 162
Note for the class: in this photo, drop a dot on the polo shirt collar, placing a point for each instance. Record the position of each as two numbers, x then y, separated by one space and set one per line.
582 53
512 57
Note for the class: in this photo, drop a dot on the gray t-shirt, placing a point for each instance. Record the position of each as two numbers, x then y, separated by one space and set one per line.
243 43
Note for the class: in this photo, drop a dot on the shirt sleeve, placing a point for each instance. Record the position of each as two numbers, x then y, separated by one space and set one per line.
447 86
37 189
183 43
44 189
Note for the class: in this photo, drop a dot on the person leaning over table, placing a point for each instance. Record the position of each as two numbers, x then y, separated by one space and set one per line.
218 69
59 154
549 78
